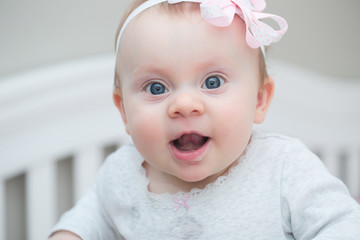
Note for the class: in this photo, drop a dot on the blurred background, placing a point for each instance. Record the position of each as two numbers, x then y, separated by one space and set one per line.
323 37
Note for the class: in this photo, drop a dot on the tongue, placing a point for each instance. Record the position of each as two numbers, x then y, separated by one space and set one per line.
189 142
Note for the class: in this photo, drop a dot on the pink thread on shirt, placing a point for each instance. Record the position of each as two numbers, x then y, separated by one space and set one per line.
181 202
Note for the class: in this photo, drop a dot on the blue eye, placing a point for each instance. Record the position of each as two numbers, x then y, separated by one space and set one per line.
213 82
156 88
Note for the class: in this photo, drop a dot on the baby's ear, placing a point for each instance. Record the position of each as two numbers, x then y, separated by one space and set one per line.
265 95
118 101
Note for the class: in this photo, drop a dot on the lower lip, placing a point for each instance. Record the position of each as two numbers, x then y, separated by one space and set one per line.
189 156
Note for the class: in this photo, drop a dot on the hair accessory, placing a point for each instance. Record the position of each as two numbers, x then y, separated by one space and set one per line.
221 13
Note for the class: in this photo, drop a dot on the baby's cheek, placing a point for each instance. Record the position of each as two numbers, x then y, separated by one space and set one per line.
145 132
236 128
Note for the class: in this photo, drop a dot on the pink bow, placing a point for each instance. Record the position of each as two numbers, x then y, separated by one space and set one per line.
221 13
181 202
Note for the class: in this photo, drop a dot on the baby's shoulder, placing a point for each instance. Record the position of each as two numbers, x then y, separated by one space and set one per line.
120 166
126 158
122 155
289 152
278 144
121 178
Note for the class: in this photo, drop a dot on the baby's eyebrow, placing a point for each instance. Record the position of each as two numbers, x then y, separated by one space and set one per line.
149 68
149 71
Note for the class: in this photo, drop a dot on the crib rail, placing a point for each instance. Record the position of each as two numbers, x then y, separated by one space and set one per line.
58 124
48 115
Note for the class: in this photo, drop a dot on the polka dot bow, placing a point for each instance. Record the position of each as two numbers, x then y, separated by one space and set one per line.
221 13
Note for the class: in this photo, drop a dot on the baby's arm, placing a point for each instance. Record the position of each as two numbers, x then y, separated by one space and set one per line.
64 235
86 220
316 205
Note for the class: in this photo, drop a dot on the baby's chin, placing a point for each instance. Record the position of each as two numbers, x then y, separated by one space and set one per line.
197 179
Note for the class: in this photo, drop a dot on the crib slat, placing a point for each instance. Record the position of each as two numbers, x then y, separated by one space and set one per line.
86 164
330 157
40 205
353 171
2 209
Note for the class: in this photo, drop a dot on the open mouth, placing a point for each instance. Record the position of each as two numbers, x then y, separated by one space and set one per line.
189 142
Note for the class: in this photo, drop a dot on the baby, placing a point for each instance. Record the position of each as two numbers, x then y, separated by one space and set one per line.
190 83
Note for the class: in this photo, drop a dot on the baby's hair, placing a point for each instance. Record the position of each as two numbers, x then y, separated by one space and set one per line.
175 9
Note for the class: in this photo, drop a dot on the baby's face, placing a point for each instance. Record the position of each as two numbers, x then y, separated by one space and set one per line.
189 93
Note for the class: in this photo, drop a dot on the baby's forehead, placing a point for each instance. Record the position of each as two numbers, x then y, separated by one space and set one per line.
157 37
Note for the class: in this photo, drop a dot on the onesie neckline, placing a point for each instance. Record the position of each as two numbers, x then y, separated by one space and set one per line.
196 196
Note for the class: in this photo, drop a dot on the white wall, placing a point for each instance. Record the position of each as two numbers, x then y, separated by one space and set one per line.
323 34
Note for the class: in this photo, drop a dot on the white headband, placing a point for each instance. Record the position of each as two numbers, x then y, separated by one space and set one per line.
221 13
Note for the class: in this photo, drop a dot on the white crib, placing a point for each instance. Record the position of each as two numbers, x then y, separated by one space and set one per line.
58 123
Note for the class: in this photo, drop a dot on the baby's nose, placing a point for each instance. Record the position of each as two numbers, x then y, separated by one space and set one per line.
186 105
